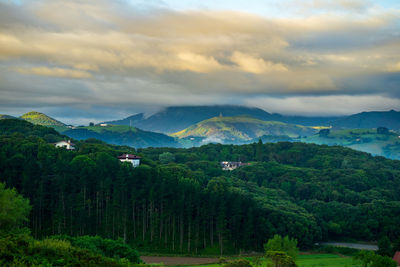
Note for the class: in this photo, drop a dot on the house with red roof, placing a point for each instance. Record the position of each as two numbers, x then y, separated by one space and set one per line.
133 159
396 257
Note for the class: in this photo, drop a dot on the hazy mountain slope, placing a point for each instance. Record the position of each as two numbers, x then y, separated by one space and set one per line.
306 121
374 119
131 120
41 119
174 119
366 140
5 117
242 128
123 135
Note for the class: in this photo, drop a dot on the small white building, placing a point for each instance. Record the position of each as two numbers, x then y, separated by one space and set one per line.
103 124
135 160
231 165
67 144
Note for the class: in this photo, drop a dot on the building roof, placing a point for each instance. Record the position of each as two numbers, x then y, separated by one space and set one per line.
67 142
128 156
396 257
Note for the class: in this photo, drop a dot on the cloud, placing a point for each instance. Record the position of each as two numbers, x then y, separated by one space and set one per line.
252 64
349 5
394 67
198 63
111 54
56 72
325 105
212 139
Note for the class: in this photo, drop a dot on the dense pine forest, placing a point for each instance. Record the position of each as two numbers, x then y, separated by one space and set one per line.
181 201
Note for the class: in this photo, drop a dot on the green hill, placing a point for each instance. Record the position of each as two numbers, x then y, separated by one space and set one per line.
122 135
5 117
242 129
41 119
366 140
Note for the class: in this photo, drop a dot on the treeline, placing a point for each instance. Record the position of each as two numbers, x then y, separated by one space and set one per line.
18 248
308 192
351 194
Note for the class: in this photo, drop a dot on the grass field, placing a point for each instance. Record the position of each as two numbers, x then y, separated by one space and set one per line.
325 260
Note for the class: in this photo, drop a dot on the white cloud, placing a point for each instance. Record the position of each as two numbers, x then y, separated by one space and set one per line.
252 64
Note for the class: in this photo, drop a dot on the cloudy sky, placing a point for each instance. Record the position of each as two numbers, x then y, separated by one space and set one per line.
93 60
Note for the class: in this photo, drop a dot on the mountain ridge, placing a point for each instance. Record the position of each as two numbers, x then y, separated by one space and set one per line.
370 119
176 118
130 120
242 129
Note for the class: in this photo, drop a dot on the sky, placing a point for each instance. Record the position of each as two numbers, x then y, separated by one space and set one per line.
95 60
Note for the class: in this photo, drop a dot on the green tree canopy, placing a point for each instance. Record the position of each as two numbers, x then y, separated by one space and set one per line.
370 259
14 209
281 259
166 157
385 247
285 244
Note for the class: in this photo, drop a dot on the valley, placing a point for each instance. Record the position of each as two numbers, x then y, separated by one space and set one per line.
244 126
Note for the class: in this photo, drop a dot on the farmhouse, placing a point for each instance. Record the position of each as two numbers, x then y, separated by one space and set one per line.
66 144
396 257
231 165
135 160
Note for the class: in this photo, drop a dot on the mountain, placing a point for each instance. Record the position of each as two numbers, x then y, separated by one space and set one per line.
41 119
241 129
174 119
131 120
5 117
389 119
122 135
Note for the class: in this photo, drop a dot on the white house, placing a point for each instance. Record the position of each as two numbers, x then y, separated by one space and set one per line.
231 165
135 160
67 144
103 124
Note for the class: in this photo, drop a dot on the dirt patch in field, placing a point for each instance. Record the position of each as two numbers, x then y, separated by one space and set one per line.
178 260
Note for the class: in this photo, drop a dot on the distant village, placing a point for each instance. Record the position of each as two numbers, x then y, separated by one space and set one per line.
133 159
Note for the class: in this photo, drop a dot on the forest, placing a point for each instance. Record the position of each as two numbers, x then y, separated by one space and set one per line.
180 200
